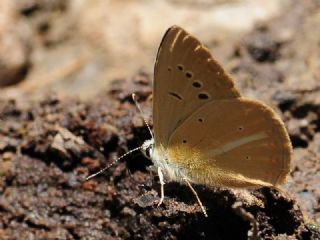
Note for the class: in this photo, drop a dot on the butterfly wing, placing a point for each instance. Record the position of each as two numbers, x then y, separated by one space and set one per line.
186 77
232 143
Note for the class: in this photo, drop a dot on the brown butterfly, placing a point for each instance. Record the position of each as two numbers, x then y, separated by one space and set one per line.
205 132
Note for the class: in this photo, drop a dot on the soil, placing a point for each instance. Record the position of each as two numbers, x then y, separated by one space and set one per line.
48 147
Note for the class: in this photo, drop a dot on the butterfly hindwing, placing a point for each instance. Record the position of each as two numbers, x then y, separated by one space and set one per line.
186 78
232 143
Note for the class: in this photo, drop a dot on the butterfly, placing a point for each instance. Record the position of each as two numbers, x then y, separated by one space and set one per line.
204 131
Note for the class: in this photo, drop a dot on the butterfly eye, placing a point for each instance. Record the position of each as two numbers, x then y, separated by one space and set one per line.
248 157
203 96
240 128
200 120
184 141
169 69
148 152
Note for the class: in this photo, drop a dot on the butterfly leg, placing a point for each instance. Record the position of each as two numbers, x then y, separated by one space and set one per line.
197 197
160 174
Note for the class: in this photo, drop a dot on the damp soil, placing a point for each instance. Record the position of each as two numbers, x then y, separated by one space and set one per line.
48 148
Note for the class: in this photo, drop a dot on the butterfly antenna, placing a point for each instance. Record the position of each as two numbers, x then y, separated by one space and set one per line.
111 164
142 115
129 152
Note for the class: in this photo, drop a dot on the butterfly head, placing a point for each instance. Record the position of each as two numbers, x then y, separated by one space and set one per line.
148 148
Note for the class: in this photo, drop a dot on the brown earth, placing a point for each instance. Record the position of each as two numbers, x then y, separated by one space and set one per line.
49 147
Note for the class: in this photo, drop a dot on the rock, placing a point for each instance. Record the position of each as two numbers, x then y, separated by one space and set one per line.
15 45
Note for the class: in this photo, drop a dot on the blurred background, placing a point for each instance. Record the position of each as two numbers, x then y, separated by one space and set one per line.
77 47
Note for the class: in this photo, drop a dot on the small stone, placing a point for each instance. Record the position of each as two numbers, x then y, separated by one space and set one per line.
7 156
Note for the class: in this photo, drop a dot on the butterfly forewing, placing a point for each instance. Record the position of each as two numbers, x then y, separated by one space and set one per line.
233 143
186 78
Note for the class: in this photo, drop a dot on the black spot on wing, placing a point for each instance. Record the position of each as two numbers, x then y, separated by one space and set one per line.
176 95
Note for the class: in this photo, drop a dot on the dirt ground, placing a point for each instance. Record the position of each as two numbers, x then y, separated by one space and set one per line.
49 145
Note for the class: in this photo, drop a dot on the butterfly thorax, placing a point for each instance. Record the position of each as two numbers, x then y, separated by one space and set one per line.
159 157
